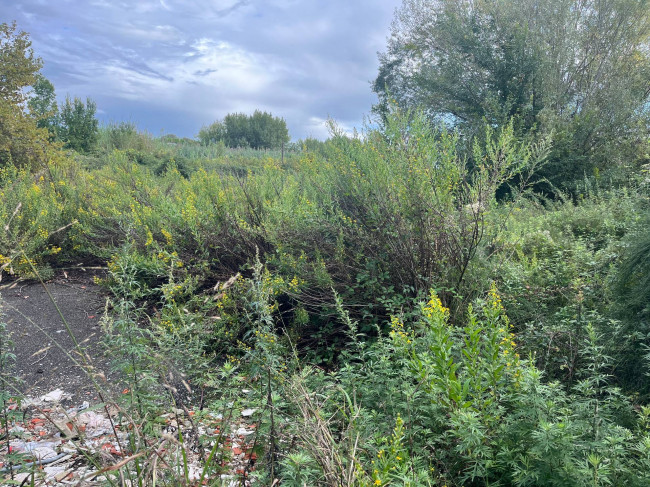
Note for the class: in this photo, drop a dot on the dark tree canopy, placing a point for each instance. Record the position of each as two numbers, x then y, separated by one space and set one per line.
578 69
258 131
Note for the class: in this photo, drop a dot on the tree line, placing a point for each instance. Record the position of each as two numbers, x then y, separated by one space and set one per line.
31 119
73 122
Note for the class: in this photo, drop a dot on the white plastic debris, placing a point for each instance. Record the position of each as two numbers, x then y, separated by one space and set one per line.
244 432
52 471
20 478
68 448
194 472
41 450
96 424
62 475
248 412
53 396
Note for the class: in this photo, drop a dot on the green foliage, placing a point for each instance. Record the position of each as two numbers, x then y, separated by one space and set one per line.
298 470
22 143
350 286
381 219
19 65
557 265
398 211
261 130
633 279
35 219
78 127
8 380
213 133
312 145
469 411
123 136
466 62
42 105
631 305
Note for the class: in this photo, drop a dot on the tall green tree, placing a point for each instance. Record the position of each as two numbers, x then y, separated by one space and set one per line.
78 128
577 68
213 133
267 131
22 143
238 130
42 104
19 65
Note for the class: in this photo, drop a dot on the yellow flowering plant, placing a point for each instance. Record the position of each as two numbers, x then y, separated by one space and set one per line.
393 464
35 218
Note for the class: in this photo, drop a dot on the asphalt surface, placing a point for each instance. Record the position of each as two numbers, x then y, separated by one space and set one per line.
46 356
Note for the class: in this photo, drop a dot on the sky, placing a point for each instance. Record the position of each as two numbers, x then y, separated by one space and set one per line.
172 66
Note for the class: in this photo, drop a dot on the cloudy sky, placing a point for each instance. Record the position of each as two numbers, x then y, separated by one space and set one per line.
172 66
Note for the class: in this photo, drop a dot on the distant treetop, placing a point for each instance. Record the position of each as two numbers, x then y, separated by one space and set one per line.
258 131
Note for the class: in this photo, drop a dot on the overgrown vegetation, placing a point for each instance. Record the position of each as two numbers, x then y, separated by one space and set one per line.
577 70
401 306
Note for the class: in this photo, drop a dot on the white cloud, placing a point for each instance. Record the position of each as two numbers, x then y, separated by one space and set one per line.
226 68
156 33
317 128
182 64
321 128
211 76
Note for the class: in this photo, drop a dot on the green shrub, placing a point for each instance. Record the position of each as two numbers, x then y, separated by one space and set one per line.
36 217
470 411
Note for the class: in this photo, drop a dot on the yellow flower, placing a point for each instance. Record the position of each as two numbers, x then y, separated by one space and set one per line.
168 236
434 307
495 299
378 482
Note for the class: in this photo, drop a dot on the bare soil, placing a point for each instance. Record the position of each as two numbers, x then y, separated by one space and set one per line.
46 356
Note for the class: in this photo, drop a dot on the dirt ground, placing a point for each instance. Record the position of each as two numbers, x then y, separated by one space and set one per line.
45 353
51 429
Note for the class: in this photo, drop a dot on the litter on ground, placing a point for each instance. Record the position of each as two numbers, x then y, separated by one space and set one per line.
81 446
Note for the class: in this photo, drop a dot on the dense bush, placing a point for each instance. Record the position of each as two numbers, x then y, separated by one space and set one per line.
429 403
470 411
353 237
37 216
401 306
557 267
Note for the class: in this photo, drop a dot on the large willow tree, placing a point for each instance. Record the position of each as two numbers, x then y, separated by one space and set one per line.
580 69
